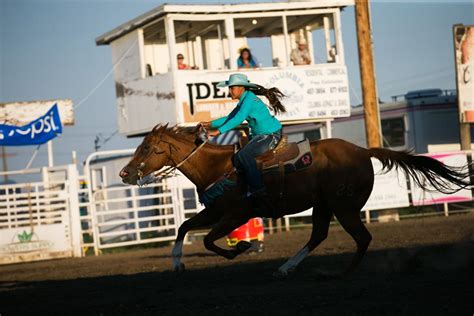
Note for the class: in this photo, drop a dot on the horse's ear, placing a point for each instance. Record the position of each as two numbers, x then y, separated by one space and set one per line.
163 128
157 126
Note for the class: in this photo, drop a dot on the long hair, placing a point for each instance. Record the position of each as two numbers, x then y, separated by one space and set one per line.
242 53
274 96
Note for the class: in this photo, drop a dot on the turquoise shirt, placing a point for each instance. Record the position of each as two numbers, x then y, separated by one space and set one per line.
251 109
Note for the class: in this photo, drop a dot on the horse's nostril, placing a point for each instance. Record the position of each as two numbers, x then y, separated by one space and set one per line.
123 173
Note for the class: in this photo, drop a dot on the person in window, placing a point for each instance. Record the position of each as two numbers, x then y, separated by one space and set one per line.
181 64
265 132
246 60
300 55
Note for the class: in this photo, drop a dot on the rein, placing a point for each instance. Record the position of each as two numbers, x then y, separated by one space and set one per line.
154 177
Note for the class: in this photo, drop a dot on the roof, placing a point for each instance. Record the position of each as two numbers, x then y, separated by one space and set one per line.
206 9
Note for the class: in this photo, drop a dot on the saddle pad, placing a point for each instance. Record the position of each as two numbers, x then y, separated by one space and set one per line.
303 160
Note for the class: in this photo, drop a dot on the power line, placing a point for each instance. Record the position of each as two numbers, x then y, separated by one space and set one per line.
98 143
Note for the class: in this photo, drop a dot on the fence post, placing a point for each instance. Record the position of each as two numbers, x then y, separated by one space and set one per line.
446 209
367 216
74 213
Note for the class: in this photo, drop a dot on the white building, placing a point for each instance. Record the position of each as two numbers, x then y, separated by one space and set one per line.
150 88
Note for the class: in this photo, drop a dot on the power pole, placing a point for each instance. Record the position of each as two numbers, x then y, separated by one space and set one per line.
367 74
465 134
464 124
5 163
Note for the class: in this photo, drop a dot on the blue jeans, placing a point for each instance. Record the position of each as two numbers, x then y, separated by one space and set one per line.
244 160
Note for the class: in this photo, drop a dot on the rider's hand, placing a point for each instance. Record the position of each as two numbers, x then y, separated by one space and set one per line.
206 125
213 132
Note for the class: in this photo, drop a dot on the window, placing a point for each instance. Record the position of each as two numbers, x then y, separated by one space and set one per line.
189 199
317 31
393 131
263 36
314 134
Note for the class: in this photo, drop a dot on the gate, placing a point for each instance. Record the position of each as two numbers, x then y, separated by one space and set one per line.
39 218
118 215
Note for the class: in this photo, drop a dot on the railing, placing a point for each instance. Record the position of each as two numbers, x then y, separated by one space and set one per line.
37 218
31 204
129 215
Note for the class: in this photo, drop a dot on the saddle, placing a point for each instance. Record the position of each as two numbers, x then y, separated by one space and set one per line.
285 157
290 157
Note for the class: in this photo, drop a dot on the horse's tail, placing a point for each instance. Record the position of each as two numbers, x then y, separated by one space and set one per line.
428 173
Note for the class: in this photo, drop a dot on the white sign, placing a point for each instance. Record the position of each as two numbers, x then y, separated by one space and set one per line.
312 92
390 189
421 197
464 59
44 238
22 113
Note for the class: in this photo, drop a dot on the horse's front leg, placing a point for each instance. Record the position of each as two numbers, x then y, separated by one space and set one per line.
202 219
223 228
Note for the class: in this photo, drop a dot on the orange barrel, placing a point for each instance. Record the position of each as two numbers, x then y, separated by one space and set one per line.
252 231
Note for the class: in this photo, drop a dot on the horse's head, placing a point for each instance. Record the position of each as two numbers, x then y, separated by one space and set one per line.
152 154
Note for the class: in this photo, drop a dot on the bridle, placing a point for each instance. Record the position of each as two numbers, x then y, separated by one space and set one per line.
158 176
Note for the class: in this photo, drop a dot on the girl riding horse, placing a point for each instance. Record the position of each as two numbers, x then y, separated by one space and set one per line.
265 131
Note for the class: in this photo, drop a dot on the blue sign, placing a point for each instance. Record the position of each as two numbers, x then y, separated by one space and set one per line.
37 132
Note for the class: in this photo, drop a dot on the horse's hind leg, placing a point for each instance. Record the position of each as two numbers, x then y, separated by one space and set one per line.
321 219
202 219
352 223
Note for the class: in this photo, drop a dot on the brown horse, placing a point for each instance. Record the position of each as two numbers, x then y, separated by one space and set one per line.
338 182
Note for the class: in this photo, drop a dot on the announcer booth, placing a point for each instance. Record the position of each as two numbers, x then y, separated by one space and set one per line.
150 88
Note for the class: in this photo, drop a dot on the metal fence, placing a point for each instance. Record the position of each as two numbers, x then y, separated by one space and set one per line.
37 220
118 215
60 213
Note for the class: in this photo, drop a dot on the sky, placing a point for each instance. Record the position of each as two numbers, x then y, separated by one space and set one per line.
48 51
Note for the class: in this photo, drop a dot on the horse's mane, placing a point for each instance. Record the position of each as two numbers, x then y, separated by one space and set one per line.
188 133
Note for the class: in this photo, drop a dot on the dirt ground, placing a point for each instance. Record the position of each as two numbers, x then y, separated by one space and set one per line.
419 266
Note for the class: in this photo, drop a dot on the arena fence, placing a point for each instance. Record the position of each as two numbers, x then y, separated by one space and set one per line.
39 218
55 212
118 215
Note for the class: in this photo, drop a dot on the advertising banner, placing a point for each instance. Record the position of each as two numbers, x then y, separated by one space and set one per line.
421 197
312 93
37 132
464 60
390 189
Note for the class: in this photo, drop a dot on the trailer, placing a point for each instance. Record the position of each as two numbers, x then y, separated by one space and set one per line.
420 120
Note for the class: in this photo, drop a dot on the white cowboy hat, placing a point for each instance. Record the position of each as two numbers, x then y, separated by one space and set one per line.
242 48
237 80
302 41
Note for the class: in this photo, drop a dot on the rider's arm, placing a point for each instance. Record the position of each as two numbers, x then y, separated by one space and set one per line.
221 121
236 117
218 122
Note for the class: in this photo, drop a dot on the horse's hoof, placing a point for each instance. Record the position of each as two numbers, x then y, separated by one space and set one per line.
325 275
280 274
179 268
243 246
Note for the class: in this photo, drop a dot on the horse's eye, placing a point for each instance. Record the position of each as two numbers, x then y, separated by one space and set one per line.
146 148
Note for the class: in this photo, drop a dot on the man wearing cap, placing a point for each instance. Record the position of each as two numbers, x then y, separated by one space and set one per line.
300 55
265 131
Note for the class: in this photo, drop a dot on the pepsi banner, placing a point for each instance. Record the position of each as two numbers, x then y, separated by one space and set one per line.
37 132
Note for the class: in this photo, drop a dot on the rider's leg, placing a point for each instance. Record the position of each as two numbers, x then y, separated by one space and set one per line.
245 160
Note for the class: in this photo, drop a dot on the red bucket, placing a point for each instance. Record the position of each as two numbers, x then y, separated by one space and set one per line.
252 231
